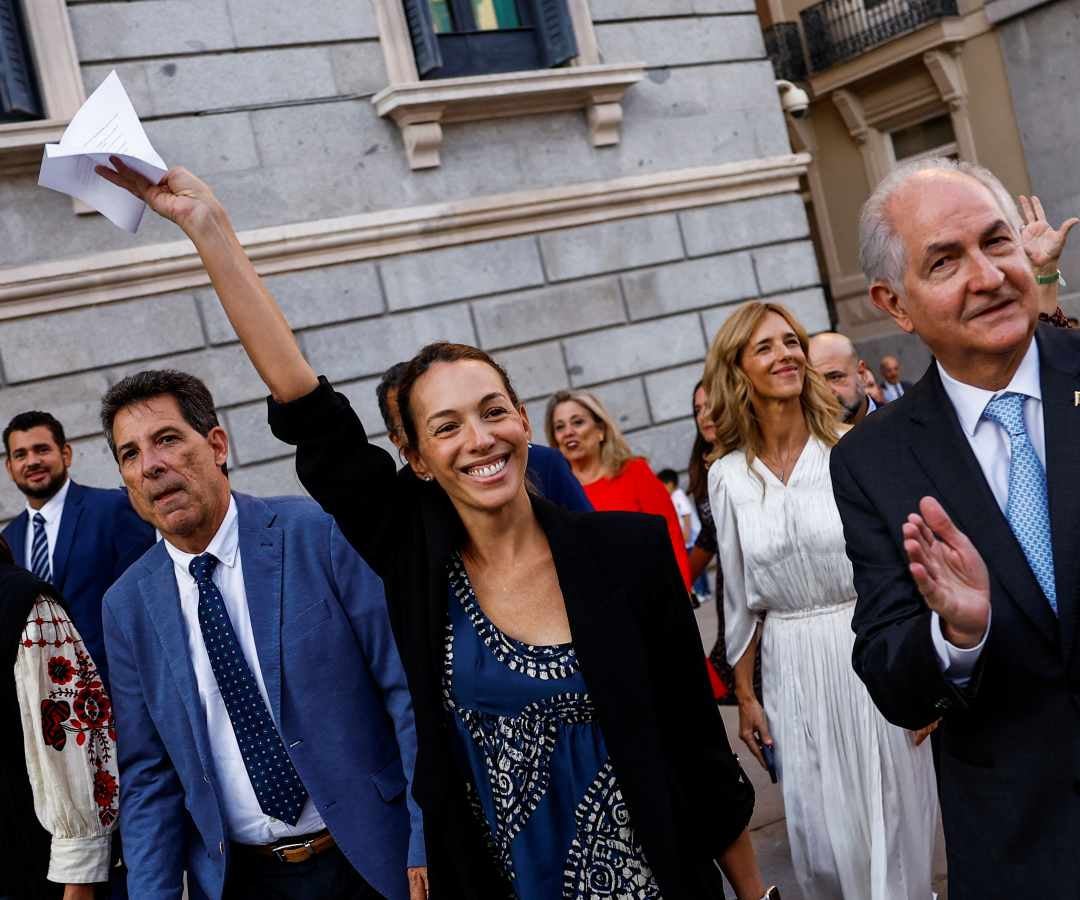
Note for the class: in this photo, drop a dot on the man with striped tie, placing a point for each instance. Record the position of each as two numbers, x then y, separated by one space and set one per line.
79 539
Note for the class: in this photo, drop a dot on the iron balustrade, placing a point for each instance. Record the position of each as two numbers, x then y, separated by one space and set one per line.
837 30
783 46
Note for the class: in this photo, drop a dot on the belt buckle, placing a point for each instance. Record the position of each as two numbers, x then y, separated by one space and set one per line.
280 852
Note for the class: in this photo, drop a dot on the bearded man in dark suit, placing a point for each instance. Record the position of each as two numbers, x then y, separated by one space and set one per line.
966 548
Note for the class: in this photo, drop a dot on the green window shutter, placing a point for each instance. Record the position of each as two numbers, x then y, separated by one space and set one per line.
425 43
555 31
18 96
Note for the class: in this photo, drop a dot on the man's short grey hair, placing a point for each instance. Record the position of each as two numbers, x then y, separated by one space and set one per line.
881 249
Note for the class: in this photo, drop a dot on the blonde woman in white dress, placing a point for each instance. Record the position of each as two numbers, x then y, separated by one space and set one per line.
859 793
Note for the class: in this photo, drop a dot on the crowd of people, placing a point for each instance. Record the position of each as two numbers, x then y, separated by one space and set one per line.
474 671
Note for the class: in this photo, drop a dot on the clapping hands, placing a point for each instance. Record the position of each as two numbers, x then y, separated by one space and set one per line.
949 573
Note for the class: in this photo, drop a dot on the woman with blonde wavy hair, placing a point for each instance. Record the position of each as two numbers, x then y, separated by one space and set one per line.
583 430
858 792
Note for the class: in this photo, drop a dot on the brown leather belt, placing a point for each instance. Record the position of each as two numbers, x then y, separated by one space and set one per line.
295 851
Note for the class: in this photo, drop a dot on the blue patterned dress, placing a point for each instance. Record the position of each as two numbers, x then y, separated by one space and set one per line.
541 777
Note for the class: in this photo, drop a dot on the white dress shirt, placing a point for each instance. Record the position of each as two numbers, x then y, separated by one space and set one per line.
993 449
53 510
246 821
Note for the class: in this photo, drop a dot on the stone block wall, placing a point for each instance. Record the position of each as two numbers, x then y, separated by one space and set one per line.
1038 41
270 101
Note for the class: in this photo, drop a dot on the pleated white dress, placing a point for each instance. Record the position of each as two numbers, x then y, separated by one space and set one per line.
860 798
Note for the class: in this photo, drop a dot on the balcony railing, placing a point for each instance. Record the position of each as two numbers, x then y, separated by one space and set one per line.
837 30
783 45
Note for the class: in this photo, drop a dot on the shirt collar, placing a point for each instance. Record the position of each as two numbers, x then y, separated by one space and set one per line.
54 507
970 401
225 544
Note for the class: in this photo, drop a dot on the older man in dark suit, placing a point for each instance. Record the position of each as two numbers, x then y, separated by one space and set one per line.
986 445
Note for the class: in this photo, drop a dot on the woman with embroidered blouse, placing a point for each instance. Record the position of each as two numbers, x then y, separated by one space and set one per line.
58 782
567 742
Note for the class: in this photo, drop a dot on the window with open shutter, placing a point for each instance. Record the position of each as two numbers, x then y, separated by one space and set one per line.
454 38
555 32
18 91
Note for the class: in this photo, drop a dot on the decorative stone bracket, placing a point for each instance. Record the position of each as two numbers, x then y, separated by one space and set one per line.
421 107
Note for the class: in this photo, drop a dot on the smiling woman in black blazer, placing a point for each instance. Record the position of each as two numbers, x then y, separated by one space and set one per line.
568 743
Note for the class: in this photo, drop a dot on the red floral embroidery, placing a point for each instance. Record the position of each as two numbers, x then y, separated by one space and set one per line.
61 670
93 707
104 788
82 709
53 715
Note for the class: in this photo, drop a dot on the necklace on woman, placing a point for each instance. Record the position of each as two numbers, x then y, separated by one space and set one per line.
781 471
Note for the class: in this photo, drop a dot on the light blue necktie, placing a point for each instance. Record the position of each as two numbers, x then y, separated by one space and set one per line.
39 550
277 787
1027 510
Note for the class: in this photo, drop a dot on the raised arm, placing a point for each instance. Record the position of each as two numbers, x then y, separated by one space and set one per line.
1044 245
258 320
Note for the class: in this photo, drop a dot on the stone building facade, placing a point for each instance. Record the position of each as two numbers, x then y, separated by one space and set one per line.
985 81
1039 40
591 225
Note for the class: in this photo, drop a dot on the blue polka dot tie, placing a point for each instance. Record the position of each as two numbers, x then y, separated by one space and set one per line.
278 788
1027 510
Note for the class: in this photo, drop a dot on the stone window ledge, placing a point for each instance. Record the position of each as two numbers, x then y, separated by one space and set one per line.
30 136
420 107
59 81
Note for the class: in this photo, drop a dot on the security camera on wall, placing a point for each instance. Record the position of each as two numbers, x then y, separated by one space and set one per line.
793 99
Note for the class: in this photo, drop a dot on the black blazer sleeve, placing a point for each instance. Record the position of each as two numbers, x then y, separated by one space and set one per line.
894 653
352 479
693 726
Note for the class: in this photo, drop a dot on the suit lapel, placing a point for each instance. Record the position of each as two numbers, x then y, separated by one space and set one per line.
1059 369
162 600
16 537
262 557
943 452
69 523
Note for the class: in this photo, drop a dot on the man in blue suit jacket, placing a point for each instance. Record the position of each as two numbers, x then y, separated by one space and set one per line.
89 536
266 737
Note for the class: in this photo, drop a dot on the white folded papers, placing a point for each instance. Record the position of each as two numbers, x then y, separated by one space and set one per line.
105 126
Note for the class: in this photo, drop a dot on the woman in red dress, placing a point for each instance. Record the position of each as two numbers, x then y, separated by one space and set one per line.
579 425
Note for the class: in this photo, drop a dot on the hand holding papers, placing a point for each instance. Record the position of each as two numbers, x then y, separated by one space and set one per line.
105 126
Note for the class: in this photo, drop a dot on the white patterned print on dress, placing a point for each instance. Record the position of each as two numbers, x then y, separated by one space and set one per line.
517 755
605 859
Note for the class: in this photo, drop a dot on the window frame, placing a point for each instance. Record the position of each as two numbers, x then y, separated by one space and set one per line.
420 107
21 91
949 148
59 81
544 39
